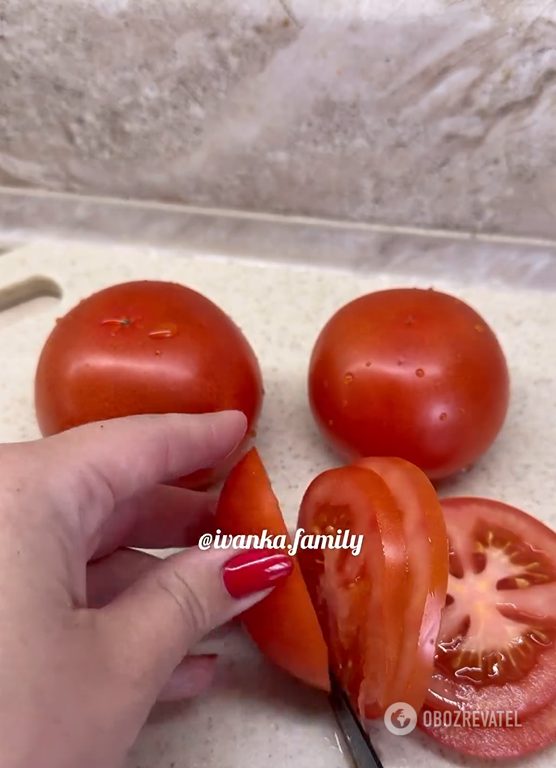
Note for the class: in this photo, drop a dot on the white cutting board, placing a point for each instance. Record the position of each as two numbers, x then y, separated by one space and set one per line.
255 715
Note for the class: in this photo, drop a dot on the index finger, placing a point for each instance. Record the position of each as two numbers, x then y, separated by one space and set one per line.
93 467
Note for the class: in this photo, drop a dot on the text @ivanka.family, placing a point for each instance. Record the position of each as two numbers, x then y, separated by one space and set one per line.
340 540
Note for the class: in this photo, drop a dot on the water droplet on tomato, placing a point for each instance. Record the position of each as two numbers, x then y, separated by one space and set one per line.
479 328
420 373
157 353
348 378
443 416
164 331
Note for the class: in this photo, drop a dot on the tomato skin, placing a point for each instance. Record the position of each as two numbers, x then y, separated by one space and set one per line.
284 625
427 551
146 347
411 373
360 598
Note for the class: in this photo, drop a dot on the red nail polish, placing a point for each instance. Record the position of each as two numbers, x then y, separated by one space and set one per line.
251 571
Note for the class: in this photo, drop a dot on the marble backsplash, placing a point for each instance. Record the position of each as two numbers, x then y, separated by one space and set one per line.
427 113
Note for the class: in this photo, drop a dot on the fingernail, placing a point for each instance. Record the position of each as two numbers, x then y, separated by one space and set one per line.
251 572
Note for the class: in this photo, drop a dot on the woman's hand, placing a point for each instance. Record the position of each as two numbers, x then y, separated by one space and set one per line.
92 633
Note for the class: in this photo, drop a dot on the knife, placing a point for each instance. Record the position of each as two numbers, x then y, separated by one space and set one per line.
357 740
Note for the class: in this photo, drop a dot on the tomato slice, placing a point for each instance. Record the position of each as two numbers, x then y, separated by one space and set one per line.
427 551
284 625
360 598
517 739
496 647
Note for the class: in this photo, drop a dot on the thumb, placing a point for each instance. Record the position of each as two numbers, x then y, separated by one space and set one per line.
153 624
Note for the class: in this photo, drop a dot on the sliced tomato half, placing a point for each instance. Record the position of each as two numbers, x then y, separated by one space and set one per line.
284 625
516 738
427 551
360 596
497 647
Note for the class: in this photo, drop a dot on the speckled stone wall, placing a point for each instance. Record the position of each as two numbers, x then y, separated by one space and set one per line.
434 113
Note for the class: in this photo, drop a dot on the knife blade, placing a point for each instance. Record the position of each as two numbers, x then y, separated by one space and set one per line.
357 740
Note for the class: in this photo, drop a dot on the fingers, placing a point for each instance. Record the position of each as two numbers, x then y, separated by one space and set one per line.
190 678
109 577
159 518
98 465
152 625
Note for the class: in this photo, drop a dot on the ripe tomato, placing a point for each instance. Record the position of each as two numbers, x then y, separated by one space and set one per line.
411 373
146 347
361 598
427 551
497 647
284 625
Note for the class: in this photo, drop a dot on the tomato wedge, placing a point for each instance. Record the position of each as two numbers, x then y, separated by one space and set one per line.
284 625
497 649
360 598
427 551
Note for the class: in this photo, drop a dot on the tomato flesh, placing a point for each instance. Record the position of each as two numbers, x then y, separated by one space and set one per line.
411 373
284 625
519 738
496 647
146 347
427 552
360 598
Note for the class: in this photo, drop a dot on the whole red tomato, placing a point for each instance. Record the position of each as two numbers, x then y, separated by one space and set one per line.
146 347
412 373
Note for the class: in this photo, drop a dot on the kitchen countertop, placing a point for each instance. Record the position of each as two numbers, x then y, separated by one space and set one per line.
255 713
